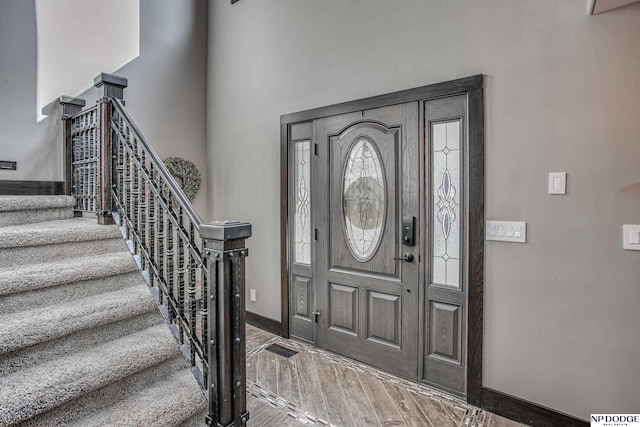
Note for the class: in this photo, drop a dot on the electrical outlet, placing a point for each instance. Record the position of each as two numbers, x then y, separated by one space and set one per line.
252 295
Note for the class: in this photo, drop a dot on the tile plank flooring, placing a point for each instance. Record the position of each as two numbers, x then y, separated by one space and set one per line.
315 387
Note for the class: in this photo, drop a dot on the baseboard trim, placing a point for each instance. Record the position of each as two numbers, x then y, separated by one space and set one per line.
526 412
265 323
31 188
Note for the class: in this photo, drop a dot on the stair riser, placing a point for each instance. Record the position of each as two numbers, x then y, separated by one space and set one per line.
60 251
98 400
10 218
78 341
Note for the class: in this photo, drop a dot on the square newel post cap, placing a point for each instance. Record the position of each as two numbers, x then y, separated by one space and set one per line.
225 230
110 79
70 105
110 85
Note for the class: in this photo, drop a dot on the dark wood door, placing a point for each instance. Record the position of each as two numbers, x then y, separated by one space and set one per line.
367 182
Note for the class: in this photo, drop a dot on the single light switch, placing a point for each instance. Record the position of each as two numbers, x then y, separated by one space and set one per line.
507 231
557 183
631 237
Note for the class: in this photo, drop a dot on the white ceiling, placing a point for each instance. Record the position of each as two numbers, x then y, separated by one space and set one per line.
599 6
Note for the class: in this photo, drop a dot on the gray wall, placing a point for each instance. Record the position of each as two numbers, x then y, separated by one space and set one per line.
166 94
562 94
33 145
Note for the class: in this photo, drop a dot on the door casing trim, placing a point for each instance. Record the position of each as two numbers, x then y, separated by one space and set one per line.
471 86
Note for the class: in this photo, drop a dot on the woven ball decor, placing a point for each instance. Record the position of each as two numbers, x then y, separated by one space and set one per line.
187 172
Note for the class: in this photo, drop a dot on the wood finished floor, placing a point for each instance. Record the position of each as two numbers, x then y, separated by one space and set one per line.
315 387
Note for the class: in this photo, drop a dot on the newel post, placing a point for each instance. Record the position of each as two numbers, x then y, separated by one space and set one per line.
70 106
225 251
109 86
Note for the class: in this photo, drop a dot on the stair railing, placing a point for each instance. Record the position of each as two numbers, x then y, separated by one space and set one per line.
195 271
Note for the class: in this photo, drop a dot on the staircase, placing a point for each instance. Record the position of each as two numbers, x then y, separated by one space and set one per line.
82 342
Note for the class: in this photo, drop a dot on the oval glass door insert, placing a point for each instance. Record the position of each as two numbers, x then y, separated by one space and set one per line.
364 200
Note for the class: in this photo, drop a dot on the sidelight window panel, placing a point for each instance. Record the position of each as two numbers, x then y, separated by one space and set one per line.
446 178
302 185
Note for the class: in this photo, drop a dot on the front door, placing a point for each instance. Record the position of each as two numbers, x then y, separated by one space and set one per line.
367 187
383 230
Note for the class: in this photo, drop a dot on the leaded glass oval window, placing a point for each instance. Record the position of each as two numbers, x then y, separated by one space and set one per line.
364 199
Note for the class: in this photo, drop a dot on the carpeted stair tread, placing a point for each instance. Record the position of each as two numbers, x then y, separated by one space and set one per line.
20 203
68 292
81 340
56 240
33 391
42 275
26 328
15 210
168 403
95 401
20 256
58 231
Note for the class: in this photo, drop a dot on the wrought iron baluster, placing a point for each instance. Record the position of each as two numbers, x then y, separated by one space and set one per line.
170 259
86 184
192 293
142 210
128 197
119 147
181 273
135 208
152 222
161 238
94 142
204 322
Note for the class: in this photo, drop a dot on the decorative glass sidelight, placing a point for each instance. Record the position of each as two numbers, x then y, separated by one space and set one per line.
302 181
364 199
446 163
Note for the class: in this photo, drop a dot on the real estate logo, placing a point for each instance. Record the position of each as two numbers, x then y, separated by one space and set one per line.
615 420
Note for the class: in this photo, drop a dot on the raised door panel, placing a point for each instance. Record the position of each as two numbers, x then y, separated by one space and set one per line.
302 298
343 308
445 332
384 320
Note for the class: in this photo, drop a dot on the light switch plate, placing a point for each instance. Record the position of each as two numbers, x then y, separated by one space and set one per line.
557 183
506 231
631 237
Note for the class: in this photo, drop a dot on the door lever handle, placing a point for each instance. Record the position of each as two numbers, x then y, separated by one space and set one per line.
407 257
